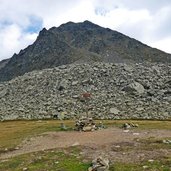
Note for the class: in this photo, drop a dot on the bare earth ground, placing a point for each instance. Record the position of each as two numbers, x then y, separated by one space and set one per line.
115 143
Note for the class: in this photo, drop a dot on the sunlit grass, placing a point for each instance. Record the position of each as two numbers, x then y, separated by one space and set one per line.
13 132
71 160
46 160
143 124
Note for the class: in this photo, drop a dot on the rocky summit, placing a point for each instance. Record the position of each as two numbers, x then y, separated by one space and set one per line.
78 43
115 91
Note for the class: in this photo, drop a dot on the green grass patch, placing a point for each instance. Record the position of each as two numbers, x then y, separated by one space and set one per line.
71 160
47 160
153 143
145 166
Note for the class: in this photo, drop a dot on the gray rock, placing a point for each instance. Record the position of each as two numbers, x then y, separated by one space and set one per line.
114 111
134 87
99 164
74 83
3 92
63 85
87 128
167 141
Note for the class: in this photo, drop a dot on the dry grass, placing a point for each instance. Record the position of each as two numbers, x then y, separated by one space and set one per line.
13 132
143 124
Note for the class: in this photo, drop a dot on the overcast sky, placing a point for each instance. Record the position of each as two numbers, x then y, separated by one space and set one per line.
146 20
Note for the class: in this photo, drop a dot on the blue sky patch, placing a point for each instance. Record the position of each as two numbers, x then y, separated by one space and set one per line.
35 25
5 23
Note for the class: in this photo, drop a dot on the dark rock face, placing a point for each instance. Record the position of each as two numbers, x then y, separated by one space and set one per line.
3 63
118 91
79 43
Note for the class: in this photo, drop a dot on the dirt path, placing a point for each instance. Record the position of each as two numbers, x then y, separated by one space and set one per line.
94 143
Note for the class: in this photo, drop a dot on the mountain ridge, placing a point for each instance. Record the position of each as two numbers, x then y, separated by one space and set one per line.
79 43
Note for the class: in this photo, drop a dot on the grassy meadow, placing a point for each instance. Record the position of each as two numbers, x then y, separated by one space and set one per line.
70 159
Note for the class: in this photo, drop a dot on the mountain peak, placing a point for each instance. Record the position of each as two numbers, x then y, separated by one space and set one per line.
43 32
77 26
90 24
79 42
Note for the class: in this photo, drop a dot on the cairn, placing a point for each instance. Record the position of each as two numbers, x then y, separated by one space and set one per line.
85 124
129 125
99 164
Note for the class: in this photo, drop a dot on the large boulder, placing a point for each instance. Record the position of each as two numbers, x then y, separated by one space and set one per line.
134 87
114 110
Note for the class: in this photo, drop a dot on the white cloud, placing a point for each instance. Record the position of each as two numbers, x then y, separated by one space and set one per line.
13 40
163 44
147 21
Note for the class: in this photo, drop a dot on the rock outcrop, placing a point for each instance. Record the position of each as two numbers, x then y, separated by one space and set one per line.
117 92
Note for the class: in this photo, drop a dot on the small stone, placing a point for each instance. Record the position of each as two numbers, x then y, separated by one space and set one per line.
17 148
3 92
74 83
145 167
126 131
25 169
136 125
90 169
167 141
126 126
136 133
139 108
87 128
76 144
75 96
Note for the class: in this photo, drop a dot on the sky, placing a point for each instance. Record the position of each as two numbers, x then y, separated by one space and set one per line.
148 21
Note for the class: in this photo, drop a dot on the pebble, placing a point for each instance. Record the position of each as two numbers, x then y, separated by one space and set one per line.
151 160
76 144
126 131
135 133
145 167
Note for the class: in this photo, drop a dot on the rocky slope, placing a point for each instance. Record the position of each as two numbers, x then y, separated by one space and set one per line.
79 43
117 91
